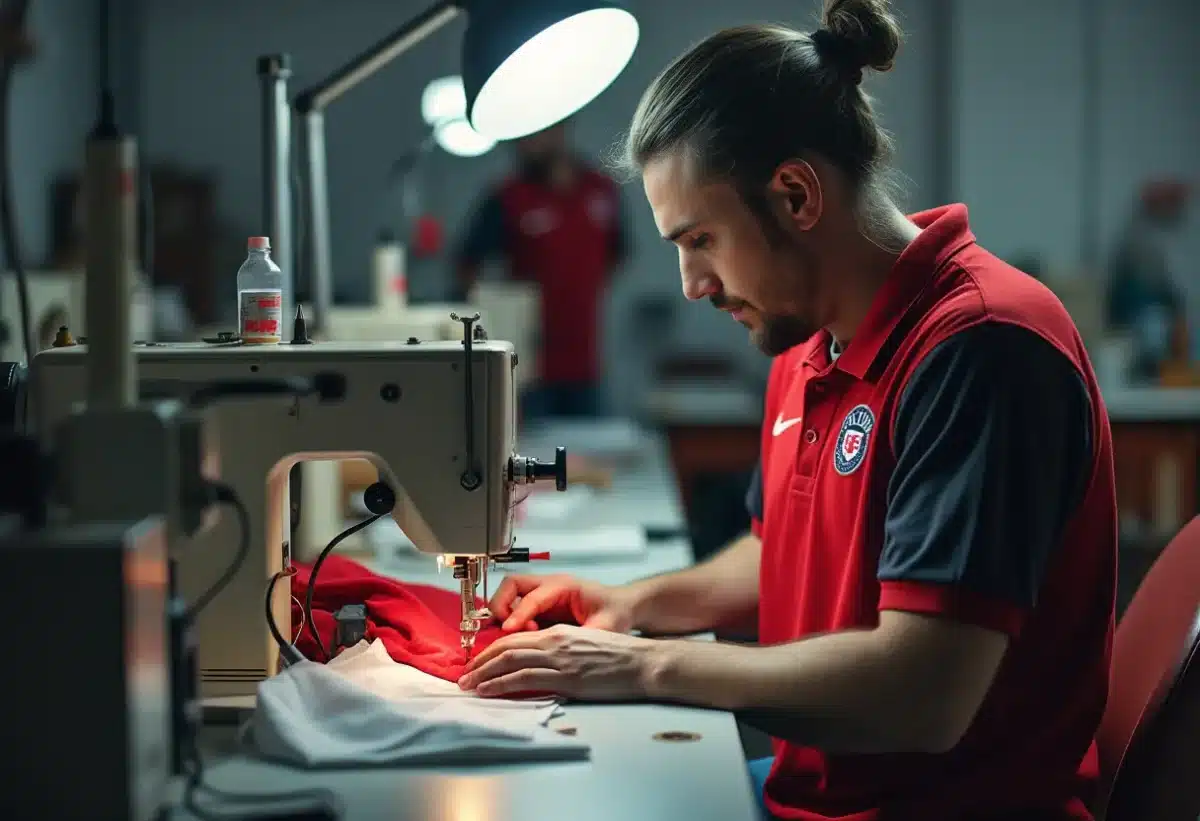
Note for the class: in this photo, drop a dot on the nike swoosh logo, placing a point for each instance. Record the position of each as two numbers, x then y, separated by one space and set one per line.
782 424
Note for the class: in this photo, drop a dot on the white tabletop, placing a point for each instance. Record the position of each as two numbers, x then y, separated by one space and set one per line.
630 775
643 492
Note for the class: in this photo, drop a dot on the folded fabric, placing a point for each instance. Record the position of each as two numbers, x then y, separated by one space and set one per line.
418 624
365 709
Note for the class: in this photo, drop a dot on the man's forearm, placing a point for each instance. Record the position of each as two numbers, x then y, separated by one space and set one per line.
719 593
841 692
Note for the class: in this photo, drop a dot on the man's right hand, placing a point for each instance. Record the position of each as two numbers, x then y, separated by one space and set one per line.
533 602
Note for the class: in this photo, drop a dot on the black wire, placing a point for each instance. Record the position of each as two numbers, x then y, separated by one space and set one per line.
316 568
321 801
287 649
225 495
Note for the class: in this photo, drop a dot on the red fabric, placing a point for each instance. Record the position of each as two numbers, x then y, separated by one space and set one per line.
418 624
566 242
1031 744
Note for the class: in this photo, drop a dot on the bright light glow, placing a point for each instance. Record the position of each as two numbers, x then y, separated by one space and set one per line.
443 99
555 73
458 138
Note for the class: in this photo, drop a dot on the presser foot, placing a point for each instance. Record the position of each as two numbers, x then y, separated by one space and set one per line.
469 627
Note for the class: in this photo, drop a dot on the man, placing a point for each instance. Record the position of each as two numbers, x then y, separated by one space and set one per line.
1143 295
556 223
932 557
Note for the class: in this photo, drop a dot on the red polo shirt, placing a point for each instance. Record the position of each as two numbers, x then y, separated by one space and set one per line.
955 460
568 241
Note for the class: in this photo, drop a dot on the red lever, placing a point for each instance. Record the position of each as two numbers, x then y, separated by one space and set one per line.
540 557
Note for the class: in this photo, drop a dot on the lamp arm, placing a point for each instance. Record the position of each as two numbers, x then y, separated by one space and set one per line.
310 104
369 62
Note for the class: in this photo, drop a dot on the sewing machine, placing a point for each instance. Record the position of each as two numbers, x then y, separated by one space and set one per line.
509 310
436 418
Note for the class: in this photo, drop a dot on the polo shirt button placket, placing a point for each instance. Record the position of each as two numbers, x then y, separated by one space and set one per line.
811 436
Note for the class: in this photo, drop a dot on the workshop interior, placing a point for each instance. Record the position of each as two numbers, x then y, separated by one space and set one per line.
251 397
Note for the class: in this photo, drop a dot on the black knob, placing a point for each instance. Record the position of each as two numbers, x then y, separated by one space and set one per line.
556 471
379 498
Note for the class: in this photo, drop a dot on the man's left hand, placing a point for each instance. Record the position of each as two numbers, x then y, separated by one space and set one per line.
577 662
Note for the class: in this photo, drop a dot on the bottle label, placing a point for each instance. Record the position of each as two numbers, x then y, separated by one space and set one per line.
261 313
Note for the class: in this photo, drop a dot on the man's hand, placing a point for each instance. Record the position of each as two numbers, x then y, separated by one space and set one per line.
577 662
530 602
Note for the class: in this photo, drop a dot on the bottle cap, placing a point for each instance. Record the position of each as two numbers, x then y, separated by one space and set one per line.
259 244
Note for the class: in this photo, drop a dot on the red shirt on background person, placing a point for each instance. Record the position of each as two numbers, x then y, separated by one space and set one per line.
555 222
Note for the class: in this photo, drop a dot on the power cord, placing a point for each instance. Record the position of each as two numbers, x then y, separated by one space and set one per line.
287 649
327 652
319 805
223 494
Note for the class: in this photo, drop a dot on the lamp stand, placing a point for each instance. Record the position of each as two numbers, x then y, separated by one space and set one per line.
310 104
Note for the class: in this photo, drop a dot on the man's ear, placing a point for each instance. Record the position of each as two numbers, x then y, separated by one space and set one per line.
796 184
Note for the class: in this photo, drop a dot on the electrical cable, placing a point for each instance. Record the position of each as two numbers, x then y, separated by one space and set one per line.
287 649
223 494
322 803
316 568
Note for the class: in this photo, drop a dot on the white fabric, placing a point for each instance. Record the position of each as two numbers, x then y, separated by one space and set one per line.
365 709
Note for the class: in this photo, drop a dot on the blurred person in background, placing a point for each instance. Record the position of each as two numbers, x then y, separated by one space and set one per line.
556 222
1144 298
932 561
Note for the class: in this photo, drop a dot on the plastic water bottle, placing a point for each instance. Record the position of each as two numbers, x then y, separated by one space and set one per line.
260 295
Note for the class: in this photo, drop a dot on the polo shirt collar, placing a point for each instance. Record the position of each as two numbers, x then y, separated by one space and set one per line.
944 232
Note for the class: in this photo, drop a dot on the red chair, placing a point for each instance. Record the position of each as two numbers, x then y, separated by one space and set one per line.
1149 738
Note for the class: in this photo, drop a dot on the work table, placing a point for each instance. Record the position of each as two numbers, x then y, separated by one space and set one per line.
648 762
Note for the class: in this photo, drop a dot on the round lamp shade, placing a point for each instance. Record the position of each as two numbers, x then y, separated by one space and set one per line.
528 64
443 99
457 138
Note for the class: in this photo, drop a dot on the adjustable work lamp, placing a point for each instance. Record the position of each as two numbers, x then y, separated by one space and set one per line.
526 65
444 110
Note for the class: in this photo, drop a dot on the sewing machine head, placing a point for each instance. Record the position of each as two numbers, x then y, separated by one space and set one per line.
442 435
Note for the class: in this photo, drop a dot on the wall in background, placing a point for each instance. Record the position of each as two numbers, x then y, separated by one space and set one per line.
1013 144
1035 165
53 108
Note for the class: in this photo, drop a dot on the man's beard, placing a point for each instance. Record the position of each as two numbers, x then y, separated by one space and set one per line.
779 333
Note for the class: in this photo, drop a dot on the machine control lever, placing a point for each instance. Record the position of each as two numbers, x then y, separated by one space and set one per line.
525 470
471 478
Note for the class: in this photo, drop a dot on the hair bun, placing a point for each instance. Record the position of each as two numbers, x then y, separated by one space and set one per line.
867 31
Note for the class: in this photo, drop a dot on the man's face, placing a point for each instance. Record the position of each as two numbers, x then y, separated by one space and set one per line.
544 145
764 275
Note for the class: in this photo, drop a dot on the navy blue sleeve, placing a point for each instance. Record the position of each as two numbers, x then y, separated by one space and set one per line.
485 238
993 439
754 494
